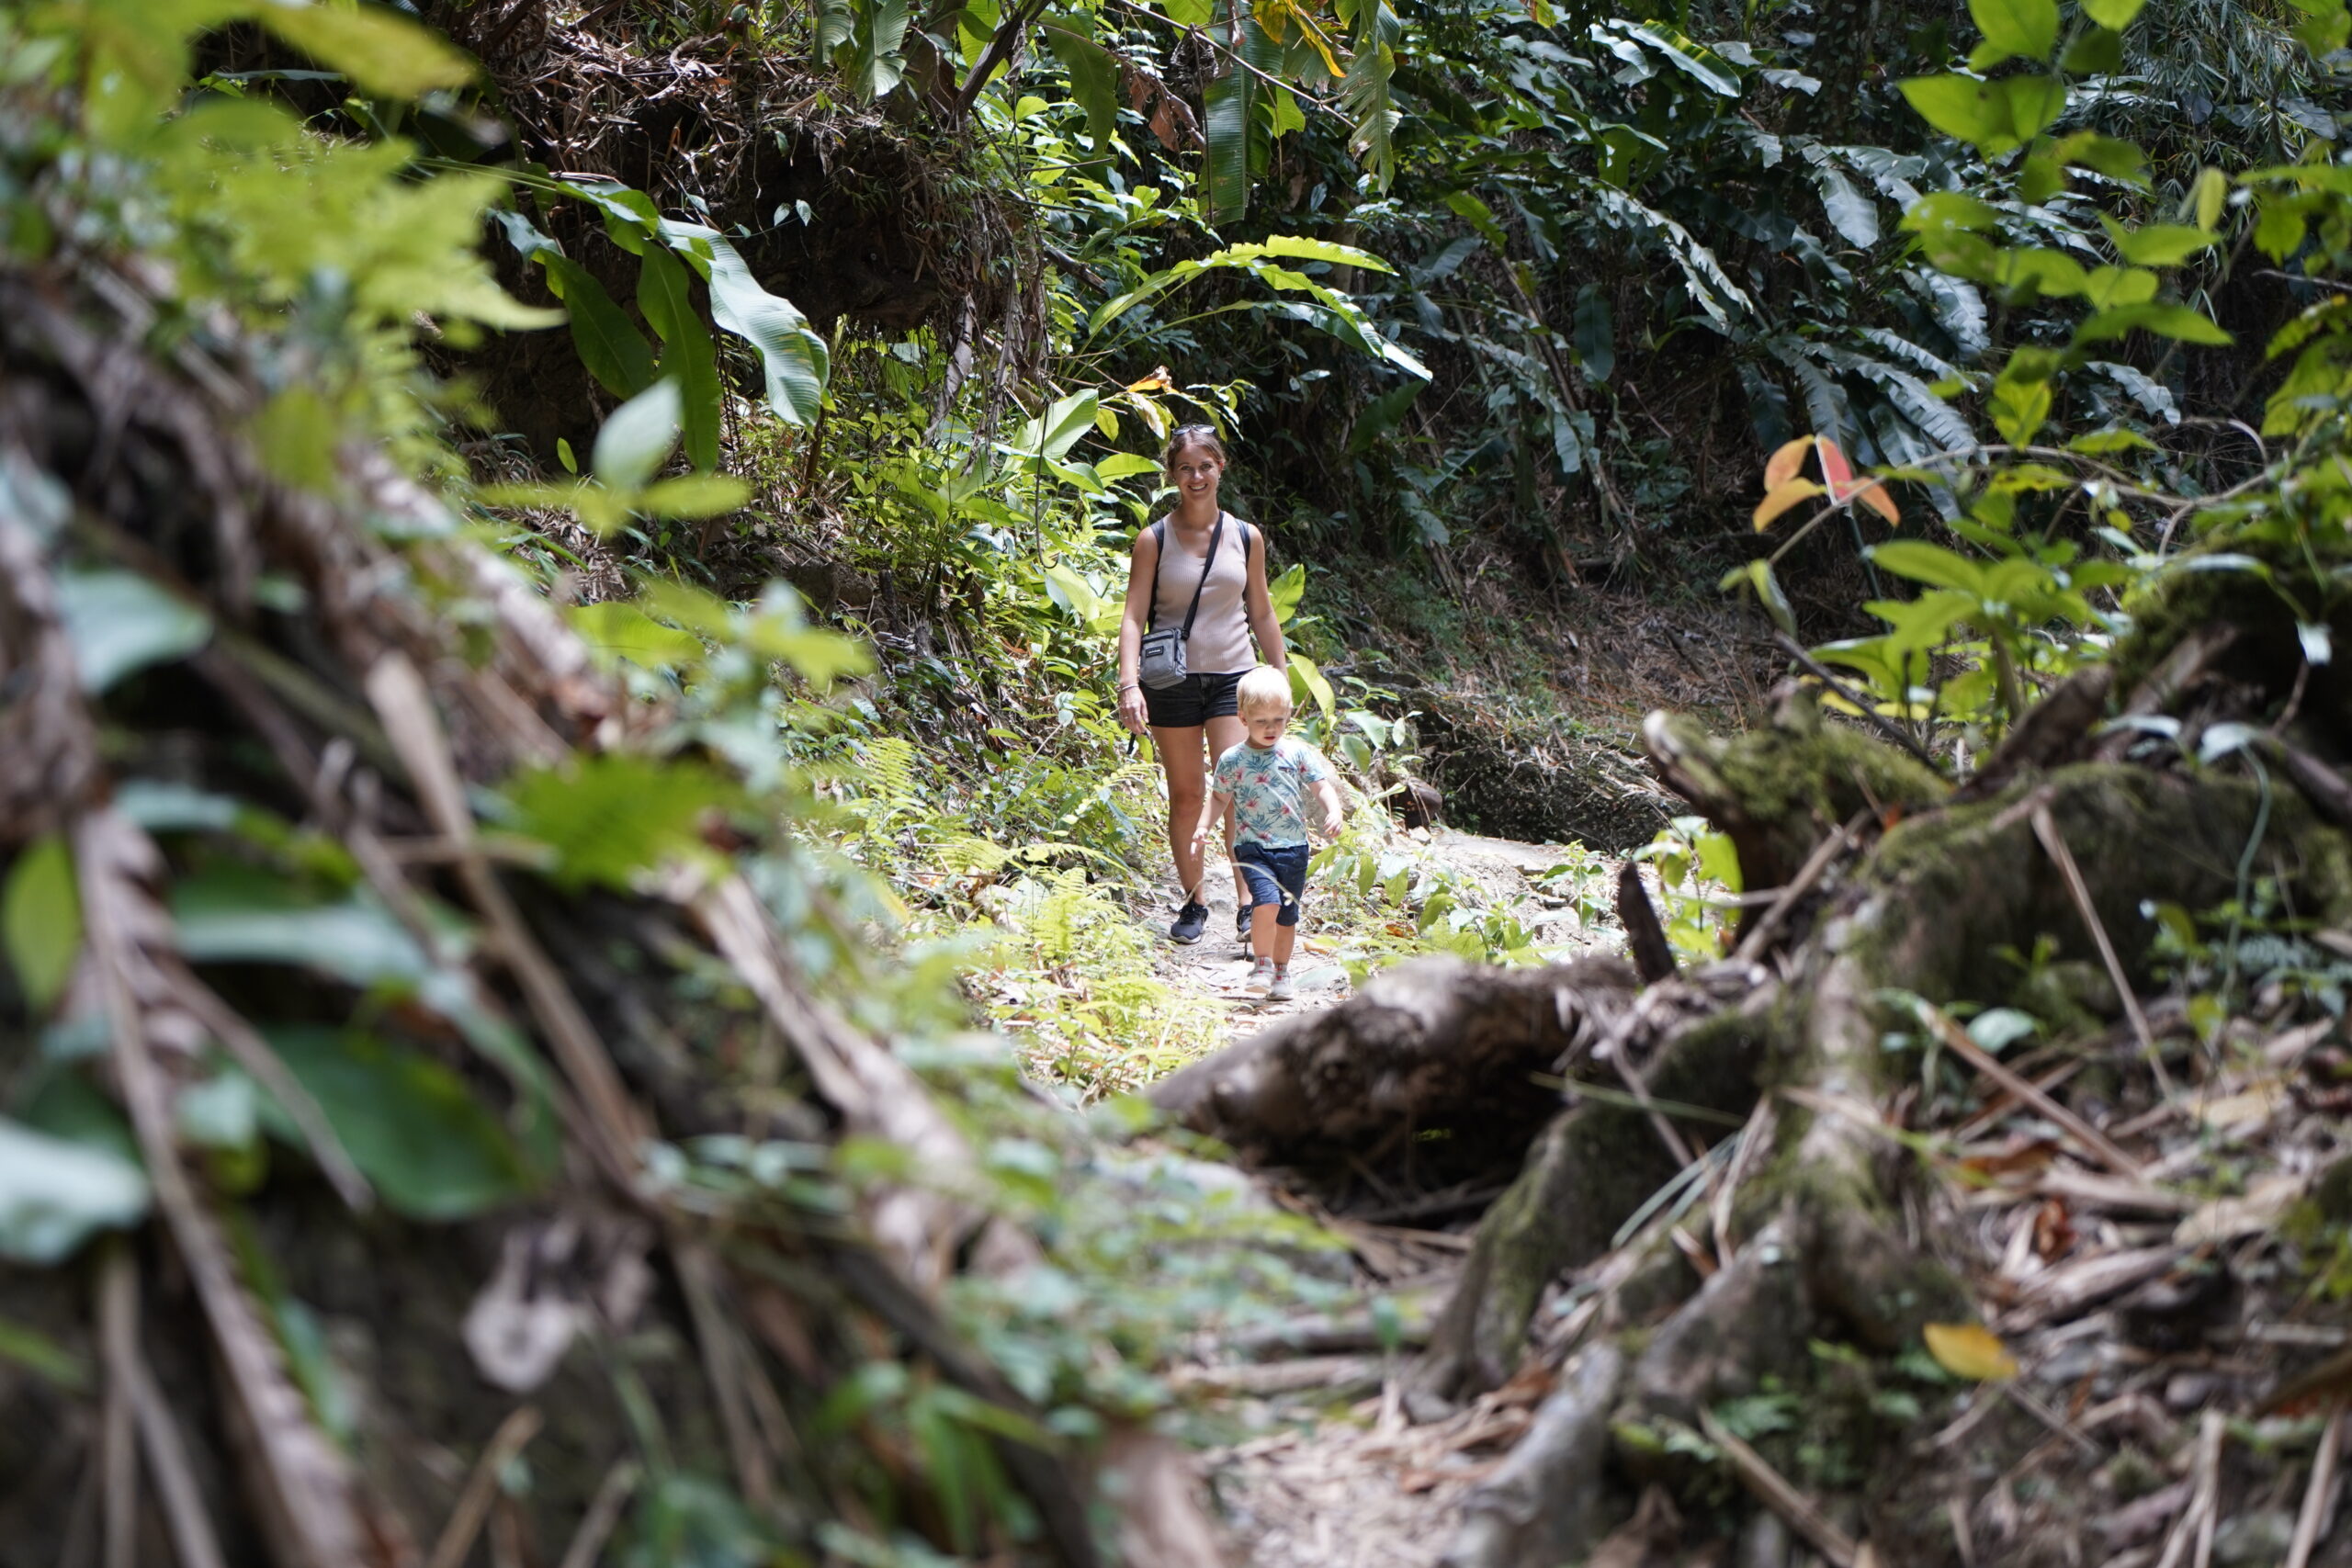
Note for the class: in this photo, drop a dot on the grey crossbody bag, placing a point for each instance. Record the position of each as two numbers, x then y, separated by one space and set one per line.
1160 663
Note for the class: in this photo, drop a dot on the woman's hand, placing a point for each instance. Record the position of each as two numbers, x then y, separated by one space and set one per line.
1132 712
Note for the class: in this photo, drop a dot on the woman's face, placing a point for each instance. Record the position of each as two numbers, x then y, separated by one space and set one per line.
1194 471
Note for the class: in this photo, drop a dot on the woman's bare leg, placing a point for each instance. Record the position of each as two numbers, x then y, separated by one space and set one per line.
1179 764
1224 733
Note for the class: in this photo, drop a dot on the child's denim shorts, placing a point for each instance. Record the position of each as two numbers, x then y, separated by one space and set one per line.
1277 874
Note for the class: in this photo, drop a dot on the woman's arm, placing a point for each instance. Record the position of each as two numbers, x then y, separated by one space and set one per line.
1143 573
1259 604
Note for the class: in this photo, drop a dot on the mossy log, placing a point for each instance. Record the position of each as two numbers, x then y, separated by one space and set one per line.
1430 1045
1777 792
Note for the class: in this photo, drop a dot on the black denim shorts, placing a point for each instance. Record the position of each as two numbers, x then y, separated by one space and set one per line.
1276 873
1198 699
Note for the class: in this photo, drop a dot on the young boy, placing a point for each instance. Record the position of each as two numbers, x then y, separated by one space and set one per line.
1266 780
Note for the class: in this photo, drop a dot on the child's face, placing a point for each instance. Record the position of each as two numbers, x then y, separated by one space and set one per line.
1266 724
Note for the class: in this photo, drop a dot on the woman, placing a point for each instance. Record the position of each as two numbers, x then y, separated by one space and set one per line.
1194 722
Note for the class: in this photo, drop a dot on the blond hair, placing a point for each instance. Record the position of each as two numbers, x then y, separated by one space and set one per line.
1262 688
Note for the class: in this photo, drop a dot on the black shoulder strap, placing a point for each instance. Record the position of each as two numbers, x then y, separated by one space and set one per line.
1159 560
1215 535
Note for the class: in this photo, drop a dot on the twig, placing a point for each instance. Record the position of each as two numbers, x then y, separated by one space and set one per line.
193 1538
2049 1418
2002 1103
1956 1040
481 1487
1777 1495
406 709
159 1436
2195 1526
1667 1131
1861 704
604 1512
1817 864
696 1272
299 1471
118 1301
2046 828
1756 1133
252 1053
1322 1372
2331 1438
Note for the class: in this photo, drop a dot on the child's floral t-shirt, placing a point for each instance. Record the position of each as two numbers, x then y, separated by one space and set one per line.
1270 789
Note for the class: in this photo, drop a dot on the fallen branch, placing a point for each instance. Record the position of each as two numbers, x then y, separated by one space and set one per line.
1646 941
1956 1040
604 1514
1325 1372
2196 1524
119 1456
1817 864
312 1490
2314 1511
481 1487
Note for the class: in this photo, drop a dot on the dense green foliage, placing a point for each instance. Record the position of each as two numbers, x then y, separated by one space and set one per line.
1434 268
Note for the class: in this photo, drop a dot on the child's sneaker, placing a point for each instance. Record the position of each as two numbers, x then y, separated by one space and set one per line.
1280 991
1261 978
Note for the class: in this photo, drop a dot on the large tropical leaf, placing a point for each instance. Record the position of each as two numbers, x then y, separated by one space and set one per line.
793 357
1244 255
1225 125
1711 286
55 1191
1364 93
1094 74
1851 213
874 60
612 348
411 1125
382 51
122 622
689 359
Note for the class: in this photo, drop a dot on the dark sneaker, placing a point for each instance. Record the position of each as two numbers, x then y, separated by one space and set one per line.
1241 924
1191 920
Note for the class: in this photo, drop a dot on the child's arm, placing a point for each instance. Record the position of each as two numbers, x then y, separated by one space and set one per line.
1213 809
1335 806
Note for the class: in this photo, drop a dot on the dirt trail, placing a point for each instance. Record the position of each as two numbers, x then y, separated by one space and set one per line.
1219 964
1333 1475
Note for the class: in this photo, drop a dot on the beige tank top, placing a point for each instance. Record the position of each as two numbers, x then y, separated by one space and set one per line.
1220 641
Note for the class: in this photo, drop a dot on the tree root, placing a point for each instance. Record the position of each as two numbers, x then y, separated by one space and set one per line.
1592 1169
1814 1247
1543 1508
